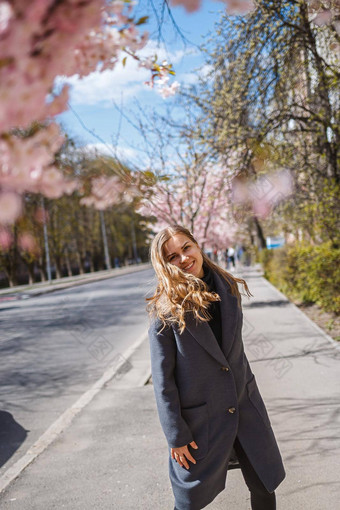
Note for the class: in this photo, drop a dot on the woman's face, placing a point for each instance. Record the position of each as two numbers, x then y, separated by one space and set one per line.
185 254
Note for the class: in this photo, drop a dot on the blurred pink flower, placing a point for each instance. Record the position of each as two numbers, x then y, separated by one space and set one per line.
82 37
52 183
41 215
25 164
198 197
107 191
323 18
6 239
27 243
239 7
10 207
261 208
169 90
189 5
36 10
239 191
336 25
6 13
263 193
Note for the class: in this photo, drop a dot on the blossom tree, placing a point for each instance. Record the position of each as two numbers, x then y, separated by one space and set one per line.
197 197
322 12
43 39
39 41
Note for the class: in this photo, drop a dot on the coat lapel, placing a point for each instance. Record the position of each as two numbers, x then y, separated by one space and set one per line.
202 332
229 313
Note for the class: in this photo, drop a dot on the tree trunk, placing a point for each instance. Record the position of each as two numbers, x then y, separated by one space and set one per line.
67 262
11 261
30 269
12 279
259 233
92 269
10 268
81 263
58 269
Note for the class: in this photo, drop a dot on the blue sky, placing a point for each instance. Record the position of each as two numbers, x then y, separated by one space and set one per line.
92 98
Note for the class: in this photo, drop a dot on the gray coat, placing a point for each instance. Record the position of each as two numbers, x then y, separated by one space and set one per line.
209 395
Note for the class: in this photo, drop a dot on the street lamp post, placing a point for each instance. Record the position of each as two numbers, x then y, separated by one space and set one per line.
134 243
106 249
47 251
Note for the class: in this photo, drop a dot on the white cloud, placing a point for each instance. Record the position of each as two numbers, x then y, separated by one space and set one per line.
206 69
188 78
193 77
104 87
124 154
152 48
100 88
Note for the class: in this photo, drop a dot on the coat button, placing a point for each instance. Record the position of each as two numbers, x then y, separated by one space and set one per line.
231 410
225 368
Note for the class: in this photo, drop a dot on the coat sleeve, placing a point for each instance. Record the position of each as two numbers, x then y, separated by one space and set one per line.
163 359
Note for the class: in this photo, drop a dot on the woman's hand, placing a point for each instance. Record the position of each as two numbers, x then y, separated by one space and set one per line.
182 454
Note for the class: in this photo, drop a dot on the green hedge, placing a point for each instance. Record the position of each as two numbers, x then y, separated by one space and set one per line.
306 272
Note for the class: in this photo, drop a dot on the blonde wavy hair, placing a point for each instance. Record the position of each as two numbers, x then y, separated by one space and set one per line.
178 292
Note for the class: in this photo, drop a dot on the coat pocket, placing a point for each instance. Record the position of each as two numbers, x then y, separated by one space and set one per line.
197 419
257 401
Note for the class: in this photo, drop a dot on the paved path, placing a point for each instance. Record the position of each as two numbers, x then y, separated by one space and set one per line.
114 454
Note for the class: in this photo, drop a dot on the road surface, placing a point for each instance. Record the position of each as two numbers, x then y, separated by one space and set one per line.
53 347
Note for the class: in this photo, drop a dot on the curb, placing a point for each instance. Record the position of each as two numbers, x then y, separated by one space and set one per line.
31 292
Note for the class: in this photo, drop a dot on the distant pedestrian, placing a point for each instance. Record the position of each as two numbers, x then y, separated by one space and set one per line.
231 256
208 401
240 253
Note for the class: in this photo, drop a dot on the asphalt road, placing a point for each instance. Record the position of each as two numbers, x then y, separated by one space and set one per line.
53 347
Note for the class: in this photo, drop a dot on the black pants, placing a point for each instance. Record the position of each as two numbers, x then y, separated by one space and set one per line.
260 498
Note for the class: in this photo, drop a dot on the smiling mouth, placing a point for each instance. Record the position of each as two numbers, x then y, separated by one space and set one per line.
189 266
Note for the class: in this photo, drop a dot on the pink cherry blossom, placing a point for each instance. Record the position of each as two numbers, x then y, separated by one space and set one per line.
23 160
6 12
80 36
325 13
107 191
51 183
39 41
6 239
198 198
239 7
26 164
323 18
239 191
169 90
263 193
189 5
28 243
232 6
41 215
10 207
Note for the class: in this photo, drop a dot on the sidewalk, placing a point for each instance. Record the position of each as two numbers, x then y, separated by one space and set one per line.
36 289
114 454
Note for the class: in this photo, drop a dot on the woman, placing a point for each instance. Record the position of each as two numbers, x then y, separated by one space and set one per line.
207 398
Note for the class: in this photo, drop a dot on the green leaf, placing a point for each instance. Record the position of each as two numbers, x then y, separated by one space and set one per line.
142 20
